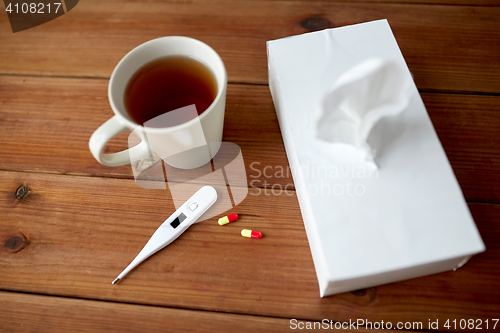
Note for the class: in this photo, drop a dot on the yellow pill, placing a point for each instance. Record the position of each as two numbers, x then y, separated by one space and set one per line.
227 219
251 233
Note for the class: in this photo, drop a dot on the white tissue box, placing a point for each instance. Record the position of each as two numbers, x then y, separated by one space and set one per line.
365 226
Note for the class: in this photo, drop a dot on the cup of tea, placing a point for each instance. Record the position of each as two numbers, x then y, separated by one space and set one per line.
171 91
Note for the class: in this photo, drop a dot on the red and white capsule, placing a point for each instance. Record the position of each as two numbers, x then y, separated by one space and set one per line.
228 219
251 233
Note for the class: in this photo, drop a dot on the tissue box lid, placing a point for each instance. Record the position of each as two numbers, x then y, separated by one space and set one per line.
409 217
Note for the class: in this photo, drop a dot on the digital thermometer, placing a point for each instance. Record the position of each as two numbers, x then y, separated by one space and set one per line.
175 225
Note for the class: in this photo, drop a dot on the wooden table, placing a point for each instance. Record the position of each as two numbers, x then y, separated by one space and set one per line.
69 225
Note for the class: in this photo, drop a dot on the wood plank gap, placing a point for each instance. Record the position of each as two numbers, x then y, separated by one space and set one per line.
466 93
77 77
105 78
141 304
482 202
65 174
247 83
179 308
129 178
147 304
56 76
408 3
98 176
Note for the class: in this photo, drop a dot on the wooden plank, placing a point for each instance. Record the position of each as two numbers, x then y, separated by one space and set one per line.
28 313
71 236
489 3
450 48
468 128
46 124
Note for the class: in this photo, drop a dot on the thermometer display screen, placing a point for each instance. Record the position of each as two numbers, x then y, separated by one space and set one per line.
178 220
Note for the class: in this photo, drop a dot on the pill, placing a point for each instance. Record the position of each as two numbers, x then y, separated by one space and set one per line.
228 219
251 233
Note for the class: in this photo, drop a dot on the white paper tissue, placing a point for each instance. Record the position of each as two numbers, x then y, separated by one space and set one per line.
362 96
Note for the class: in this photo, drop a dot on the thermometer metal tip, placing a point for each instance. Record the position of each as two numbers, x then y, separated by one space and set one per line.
175 225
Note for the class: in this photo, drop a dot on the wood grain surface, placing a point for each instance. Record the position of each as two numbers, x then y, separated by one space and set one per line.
446 47
36 313
43 117
75 234
68 225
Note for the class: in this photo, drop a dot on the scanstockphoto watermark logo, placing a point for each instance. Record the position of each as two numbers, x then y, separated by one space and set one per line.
28 14
183 161
318 179
358 324
464 324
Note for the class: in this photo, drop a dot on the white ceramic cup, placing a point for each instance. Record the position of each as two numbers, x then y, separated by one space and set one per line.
181 138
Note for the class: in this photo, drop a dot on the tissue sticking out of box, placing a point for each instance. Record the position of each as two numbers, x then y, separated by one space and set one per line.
362 96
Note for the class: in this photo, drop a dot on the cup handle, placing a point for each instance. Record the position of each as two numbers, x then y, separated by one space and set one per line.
106 132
